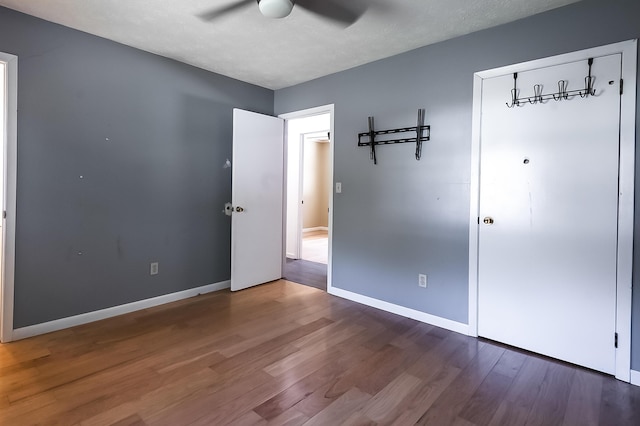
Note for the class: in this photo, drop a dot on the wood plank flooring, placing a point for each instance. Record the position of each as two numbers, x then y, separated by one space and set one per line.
315 246
308 273
286 354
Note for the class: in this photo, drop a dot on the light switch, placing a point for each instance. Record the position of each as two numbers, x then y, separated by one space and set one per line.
338 187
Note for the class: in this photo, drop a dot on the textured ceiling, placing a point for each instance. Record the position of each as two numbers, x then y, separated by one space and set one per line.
278 53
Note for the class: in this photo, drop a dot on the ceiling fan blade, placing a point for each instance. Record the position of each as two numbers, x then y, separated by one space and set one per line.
334 10
218 12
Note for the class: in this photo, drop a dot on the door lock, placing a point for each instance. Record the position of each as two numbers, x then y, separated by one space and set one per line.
239 209
488 220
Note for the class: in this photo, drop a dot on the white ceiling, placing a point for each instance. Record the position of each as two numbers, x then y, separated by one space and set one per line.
278 53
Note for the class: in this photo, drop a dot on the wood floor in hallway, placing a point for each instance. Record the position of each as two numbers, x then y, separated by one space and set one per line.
287 354
315 246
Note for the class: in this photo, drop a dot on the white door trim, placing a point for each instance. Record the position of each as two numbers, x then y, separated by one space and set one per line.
324 109
10 150
628 49
300 211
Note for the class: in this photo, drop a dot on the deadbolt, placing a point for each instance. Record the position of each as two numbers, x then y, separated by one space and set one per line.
239 209
488 220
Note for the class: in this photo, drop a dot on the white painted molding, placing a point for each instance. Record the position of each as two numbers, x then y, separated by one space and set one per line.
317 228
635 377
626 183
10 147
59 324
474 210
401 310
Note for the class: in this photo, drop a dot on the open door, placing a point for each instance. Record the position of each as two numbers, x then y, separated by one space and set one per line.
257 198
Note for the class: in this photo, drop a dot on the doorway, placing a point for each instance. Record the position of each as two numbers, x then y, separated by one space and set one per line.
309 182
552 207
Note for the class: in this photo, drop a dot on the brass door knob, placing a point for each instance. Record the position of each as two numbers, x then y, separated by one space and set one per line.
239 209
488 220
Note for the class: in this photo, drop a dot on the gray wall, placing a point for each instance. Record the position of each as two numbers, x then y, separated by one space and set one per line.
402 217
154 191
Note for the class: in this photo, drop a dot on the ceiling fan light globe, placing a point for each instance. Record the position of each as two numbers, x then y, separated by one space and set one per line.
275 8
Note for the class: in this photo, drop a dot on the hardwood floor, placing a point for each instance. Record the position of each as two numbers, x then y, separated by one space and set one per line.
315 246
311 269
286 354
308 273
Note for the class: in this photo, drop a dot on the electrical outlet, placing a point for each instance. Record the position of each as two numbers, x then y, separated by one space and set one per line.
338 187
422 280
153 270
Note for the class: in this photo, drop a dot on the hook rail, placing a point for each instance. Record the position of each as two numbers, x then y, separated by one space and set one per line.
420 129
562 92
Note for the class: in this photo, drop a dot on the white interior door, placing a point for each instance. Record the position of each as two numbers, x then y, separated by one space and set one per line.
257 198
549 182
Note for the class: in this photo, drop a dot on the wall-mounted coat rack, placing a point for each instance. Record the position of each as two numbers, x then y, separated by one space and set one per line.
419 130
562 92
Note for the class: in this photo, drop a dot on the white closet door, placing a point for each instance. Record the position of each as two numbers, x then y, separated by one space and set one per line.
549 183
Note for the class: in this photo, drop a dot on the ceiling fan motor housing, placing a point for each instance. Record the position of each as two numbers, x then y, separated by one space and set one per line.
275 8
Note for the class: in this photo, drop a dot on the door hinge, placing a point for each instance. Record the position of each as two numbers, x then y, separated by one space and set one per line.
4 214
615 340
478 220
621 85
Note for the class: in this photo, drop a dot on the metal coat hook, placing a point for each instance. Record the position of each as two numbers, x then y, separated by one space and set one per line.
588 83
515 101
420 129
537 94
562 93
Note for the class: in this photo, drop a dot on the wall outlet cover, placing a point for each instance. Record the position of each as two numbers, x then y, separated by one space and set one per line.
422 280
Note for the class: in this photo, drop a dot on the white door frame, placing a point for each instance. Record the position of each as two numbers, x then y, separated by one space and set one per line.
299 211
10 150
628 49
324 109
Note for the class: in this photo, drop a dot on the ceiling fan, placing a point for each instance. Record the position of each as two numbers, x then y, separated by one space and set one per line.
327 9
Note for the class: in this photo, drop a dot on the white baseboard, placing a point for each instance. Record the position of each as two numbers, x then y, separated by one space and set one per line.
317 228
401 310
635 377
59 324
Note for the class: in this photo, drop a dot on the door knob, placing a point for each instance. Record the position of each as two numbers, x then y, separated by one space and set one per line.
239 209
488 220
